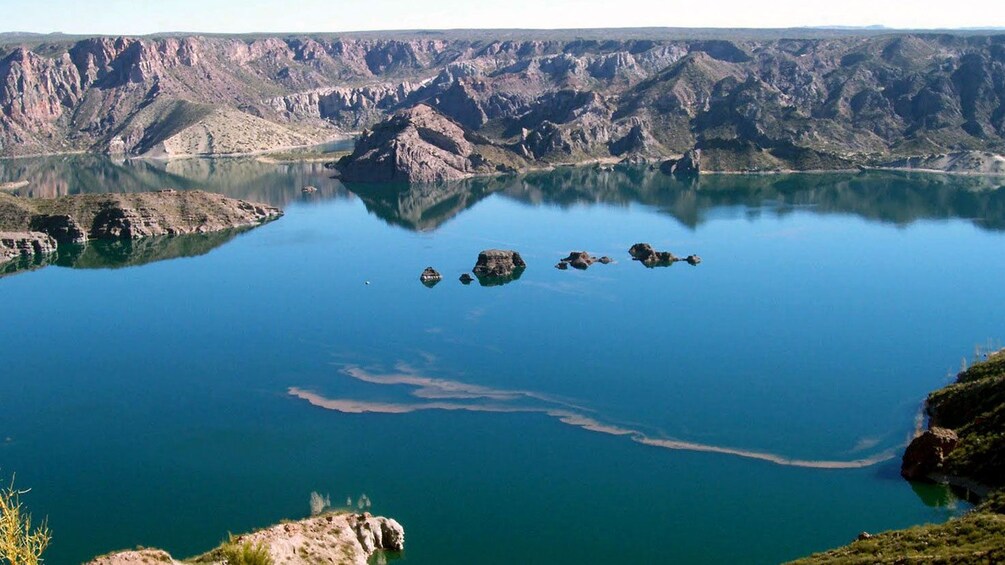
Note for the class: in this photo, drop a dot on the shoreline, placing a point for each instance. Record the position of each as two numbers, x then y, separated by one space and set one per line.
308 157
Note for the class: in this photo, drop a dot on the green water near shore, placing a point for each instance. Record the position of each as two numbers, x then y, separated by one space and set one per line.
149 404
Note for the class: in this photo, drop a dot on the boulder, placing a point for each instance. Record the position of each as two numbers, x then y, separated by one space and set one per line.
579 260
430 277
687 167
927 452
693 260
309 189
499 264
645 254
467 279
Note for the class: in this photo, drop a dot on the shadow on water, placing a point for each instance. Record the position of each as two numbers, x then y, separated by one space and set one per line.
889 197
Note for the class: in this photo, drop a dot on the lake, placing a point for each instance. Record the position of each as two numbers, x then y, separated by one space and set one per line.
751 409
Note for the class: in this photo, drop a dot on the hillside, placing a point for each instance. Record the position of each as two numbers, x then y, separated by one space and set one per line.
775 99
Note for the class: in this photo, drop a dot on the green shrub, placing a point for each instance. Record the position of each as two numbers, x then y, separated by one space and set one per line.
246 553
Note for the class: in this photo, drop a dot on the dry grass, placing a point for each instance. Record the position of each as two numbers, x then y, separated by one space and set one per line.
20 544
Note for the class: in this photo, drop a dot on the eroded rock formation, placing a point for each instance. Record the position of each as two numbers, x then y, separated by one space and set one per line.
338 538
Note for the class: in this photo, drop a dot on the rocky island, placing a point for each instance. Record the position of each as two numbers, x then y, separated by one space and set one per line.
32 229
963 447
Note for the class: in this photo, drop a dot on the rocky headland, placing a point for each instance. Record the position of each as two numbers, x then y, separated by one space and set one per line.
337 538
964 446
750 101
33 229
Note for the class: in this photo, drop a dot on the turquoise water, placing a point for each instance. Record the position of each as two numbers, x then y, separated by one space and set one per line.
150 404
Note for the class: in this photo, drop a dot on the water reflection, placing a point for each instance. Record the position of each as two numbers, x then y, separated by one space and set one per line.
248 178
897 198
124 253
890 197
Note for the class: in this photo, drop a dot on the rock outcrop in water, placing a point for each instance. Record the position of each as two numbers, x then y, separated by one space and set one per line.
430 277
498 266
750 100
581 260
645 254
337 538
927 452
40 227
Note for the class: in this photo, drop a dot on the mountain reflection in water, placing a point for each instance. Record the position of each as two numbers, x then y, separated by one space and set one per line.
888 197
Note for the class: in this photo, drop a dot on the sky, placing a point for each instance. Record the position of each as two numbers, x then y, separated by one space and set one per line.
136 17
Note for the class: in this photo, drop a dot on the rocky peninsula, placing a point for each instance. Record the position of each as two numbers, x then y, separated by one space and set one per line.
337 537
33 229
964 447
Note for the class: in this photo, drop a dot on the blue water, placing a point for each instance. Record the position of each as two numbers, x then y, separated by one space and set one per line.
150 405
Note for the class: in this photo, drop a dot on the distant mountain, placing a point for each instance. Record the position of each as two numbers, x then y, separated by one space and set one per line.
750 99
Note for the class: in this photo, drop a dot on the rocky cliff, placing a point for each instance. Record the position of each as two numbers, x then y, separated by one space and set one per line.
779 99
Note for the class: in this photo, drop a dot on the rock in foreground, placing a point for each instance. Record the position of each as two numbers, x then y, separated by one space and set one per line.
927 452
330 538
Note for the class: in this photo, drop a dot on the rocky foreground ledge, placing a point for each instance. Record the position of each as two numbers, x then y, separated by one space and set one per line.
335 538
33 228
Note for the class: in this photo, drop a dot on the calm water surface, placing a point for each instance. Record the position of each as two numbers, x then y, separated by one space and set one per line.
145 388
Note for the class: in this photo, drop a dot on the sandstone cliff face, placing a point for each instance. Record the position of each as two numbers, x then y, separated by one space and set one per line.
749 103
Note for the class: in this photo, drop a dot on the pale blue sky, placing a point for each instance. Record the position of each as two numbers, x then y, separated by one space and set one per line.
241 16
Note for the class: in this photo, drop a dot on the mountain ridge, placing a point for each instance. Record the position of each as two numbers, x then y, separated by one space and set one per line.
838 99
